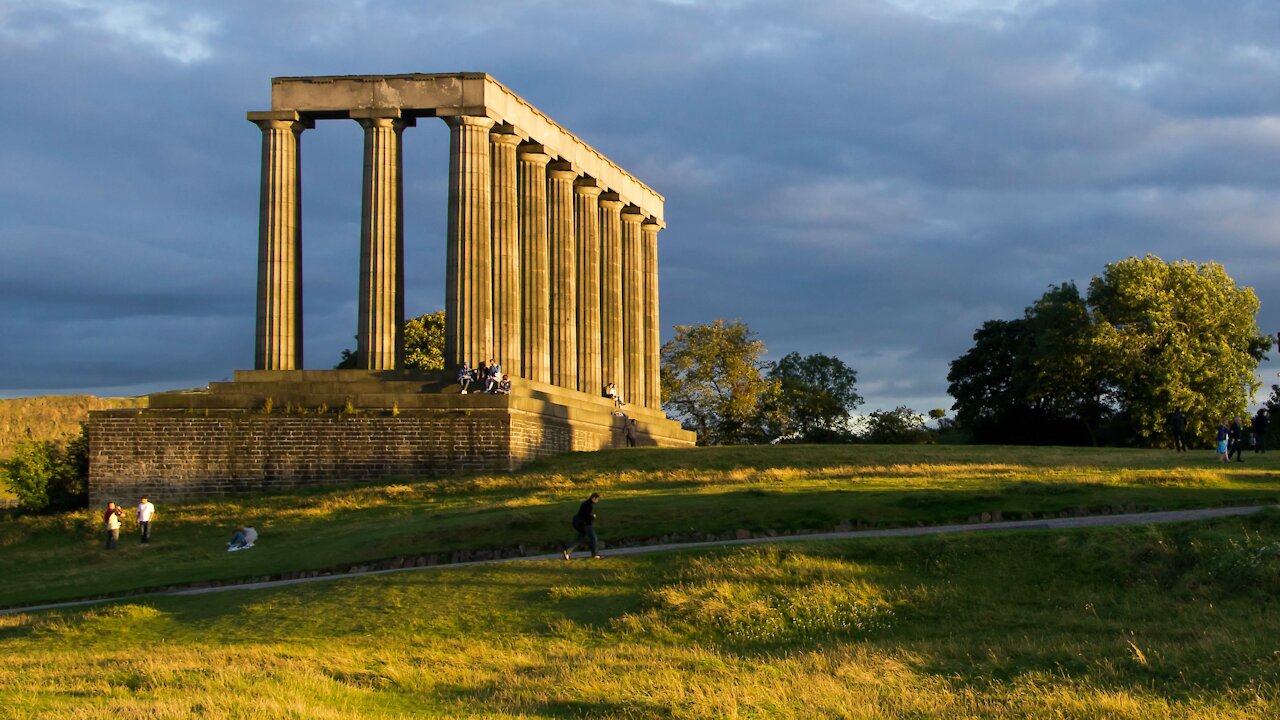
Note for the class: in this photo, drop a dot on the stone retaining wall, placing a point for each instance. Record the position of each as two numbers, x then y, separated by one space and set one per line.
174 456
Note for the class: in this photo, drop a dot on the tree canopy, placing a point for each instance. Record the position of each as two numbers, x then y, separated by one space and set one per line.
1151 337
815 395
713 381
423 344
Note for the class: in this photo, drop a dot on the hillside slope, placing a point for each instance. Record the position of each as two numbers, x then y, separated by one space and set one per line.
51 417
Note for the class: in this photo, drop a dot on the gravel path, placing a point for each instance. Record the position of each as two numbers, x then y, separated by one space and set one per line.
1171 516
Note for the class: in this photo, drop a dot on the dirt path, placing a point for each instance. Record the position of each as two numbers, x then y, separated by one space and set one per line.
1171 516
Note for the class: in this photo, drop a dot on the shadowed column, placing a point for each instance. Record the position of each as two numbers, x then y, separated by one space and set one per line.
563 267
278 336
632 307
611 290
468 302
380 331
506 250
535 334
586 203
652 388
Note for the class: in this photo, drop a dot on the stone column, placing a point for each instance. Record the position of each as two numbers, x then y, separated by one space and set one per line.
380 331
506 250
563 267
611 291
535 363
278 337
586 201
468 292
632 308
652 345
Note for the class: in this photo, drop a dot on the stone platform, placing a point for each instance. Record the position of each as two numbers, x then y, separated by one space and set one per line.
279 429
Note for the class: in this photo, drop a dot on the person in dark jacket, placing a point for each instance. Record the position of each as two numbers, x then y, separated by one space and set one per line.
1178 423
1235 440
1260 431
584 523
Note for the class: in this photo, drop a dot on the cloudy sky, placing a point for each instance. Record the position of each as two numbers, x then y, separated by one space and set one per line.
871 179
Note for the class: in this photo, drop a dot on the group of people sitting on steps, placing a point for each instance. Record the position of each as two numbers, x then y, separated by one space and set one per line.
489 374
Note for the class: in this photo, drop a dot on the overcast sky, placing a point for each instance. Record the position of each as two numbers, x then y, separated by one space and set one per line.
870 180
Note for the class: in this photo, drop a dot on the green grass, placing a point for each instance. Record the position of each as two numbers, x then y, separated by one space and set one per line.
648 493
1152 622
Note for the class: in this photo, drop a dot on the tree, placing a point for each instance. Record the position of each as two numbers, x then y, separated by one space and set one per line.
900 426
423 344
1150 338
49 474
815 395
713 382
1176 335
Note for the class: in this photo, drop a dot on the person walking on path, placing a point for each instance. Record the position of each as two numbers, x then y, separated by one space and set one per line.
1235 440
145 511
1178 423
584 523
1260 431
1222 438
111 520
631 432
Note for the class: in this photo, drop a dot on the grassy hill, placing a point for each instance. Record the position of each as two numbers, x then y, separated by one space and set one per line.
1171 621
49 417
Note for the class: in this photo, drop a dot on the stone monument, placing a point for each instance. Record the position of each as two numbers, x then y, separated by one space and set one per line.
551 268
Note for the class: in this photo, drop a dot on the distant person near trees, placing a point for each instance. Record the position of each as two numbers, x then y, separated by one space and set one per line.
145 512
111 520
1260 421
584 523
1223 437
1235 439
1178 424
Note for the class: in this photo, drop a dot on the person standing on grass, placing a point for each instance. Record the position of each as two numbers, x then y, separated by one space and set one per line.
111 520
145 511
1223 436
584 523
1235 440
1178 424
1260 431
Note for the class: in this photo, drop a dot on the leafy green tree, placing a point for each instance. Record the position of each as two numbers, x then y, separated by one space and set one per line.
815 395
713 381
48 474
1176 335
423 344
1150 338
900 426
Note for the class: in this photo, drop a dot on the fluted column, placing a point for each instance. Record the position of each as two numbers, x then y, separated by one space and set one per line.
506 250
380 331
632 307
278 335
611 291
652 386
535 363
586 203
468 301
563 267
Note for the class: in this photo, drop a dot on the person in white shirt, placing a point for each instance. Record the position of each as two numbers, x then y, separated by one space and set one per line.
145 511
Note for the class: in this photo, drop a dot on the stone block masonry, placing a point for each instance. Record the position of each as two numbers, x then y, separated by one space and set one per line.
175 456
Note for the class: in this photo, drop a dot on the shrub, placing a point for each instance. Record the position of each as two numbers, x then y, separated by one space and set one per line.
900 426
48 474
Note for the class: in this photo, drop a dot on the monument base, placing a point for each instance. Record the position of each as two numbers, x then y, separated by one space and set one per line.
276 430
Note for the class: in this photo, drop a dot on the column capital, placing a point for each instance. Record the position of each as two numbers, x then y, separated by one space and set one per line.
632 214
610 200
653 224
266 119
504 135
587 186
534 153
562 170
475 121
